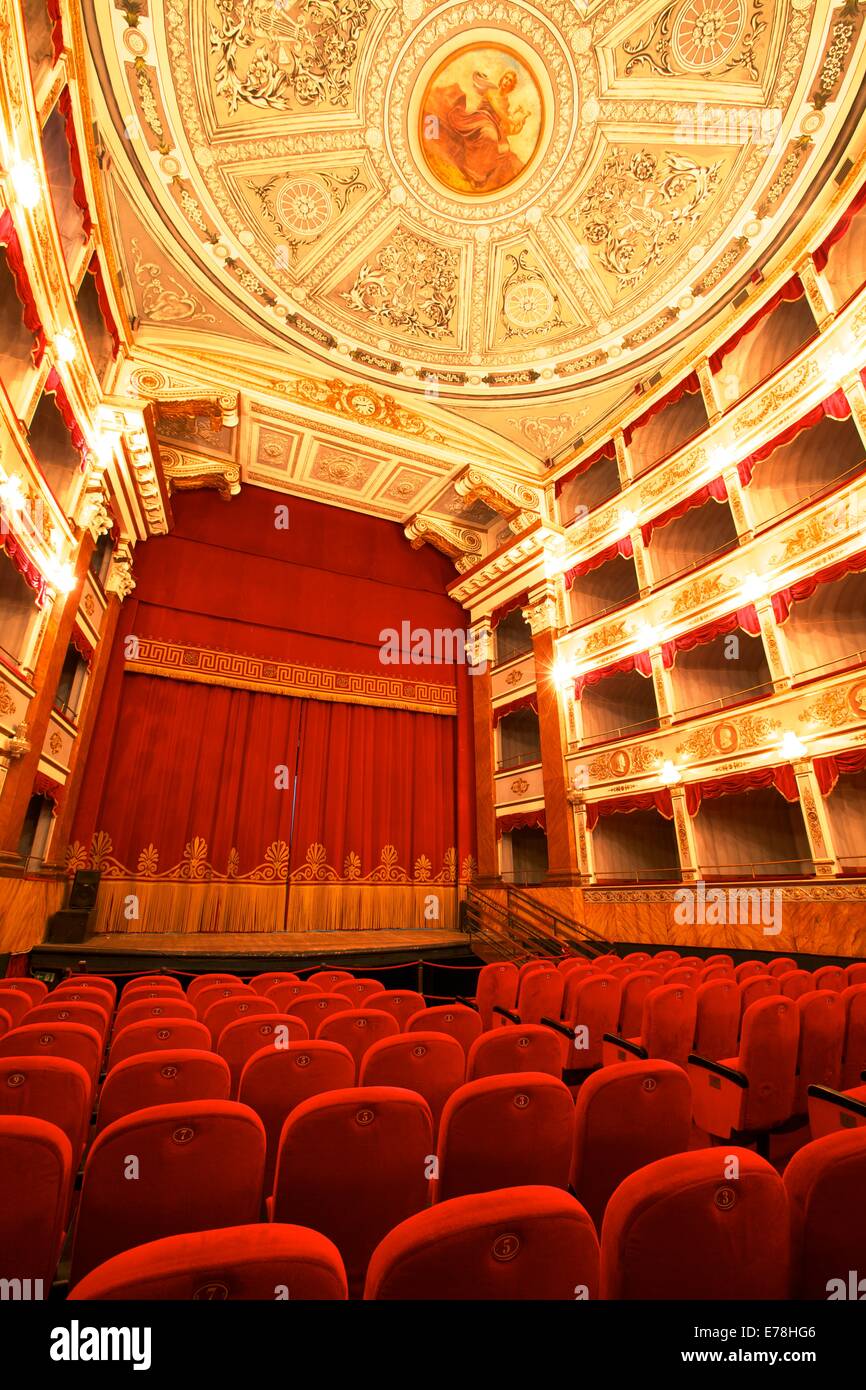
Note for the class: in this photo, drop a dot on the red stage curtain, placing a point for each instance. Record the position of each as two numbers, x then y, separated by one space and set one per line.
50 789
53 7
607 451
716 489
79 193
18 271
81 644
518 601
20 559
54 385
745 618
624 547
822 254
791 290
639 661
522 702
689 386
828 770
622 805
805 588
781 777
833 407
523 820
95 269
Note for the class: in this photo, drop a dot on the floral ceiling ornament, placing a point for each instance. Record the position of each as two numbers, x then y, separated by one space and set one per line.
410 285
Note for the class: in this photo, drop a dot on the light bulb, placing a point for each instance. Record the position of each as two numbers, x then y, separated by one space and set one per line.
627 521
65 346
25 181
792 746
753 587
669 774
11 493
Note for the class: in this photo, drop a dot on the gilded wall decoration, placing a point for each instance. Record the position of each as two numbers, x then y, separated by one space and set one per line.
528 305
713 39
163 298
546 434
409 285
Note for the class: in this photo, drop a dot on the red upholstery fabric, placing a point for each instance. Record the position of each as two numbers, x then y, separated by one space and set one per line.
226 1011
35 990
755 987
854 1048
825 1183
358 991
781 965
768 1060
352 1165
591 1009
242 1039
216 994
52 1089
90 1015
82 994
357 1030
517 1243
635 988
717 1025
155 991
505 1131
857 973
327 980
73 1040
681 1228
456 1020
668 1023
152 1034
5 1022
16 1004
497 984
400 1003
431 1064
274 1081
314 1009
161 1078
200 1166
147 1009
202 982
795 983
154 977
831 977
262 983
822 1041
625 1117
241 1262
286 995
540 995
526 1047
35 1180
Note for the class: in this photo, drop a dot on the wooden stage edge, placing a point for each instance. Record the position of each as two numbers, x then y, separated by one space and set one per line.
250 951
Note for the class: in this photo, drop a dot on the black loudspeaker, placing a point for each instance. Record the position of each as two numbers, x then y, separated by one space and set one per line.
68 926
85 886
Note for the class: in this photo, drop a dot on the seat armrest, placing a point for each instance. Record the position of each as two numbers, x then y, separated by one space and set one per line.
739 1078
506 1013
558 1027
841 1099
470 1003
627 1045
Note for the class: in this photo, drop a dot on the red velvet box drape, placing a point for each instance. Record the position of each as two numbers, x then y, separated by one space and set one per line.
791 290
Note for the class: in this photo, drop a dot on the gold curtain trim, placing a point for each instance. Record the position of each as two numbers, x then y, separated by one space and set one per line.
208 666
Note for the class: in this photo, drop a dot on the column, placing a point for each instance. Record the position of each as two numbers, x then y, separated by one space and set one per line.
583 839
642 565
686 841
623 459
854 389
775 645
816 820
818 292
740 504
709 390
18 786
485 788
561 850
663 687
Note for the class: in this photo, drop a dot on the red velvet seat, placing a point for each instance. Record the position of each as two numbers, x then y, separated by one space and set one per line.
16 1004
625 1117
638 956
515 1243
82 994
687 975
100 981
755 987
431 1064
226 1011
157 1034
539 995
456 1020
635 989
219 994
825 1181
715 972
720 959
496 988
35 990
75 1041
327 980
150 977
748 968
517 1048
207 981
52 1089
717 1022
158 990
242 1039
685 1228
149 1009
69 1011
401 1004
199 1166
316 1008
857 973
358 991
591 1009
822 1039
755 1091
241 1262
667 1028
357 1030
569 963
353 1164
35 1182
286 995
854 1047
262 983
831 1110
534 963
274 1081
5 1022
667 955
161 1078
505 1131
796 983
782 965
830 977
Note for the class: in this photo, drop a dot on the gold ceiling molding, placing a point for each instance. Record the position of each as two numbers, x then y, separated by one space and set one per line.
459 543
186 472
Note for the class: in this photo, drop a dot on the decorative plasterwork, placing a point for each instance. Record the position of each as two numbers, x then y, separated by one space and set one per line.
462 545
186 472
519 504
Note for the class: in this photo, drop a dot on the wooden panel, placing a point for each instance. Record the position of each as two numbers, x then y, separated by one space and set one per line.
25 906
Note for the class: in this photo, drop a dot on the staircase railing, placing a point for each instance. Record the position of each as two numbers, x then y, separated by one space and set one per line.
521 926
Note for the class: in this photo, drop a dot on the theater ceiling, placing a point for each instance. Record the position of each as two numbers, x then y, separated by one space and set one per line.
476 227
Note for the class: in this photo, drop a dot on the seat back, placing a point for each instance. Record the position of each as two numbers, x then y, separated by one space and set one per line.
157 1034
198 1167
275 1080
593 1010
357 1030
161 1009
240 1040
99 981
82 994
400 1003
505 1131
158 990
822 1040
768 1056
515 1243
328 979
717 1023
534 963
497 985
854 1048
218 994
456 1020
52 1089
317 1007
517 1048
683 975
749 967
225 1011
16 1004
207 981
682 1228
825 1181
76 1041
262 983
715 972
148 978
70 1011
540 995
857 973
795 983
358 991
161 1078
35 990
286 995
635 989
626 1116
431 1064
36 1182
755 987
720 958
352 1165
668 1024
830 977
781 966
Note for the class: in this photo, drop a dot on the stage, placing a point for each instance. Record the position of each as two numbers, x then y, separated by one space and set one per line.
248 953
